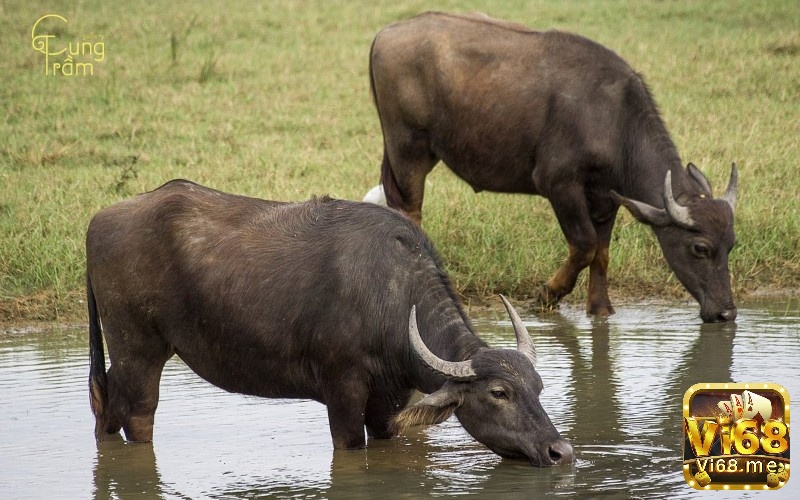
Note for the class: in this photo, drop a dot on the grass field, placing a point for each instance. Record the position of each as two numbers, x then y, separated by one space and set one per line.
271 99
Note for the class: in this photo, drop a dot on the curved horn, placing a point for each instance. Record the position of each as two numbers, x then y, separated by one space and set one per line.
679 214
730 192
524 342
454 370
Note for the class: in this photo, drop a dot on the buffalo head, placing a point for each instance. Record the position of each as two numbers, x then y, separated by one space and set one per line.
696 237
495 396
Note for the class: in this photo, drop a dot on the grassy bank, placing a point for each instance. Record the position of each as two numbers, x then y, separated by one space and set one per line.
271 99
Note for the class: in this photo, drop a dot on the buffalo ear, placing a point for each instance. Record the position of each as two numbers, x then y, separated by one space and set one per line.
433 409
643 212
699 178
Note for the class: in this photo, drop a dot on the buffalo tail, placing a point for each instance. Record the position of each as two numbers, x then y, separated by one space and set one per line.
98 380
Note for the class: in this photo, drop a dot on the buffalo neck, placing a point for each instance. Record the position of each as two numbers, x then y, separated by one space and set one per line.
446 331
648 152
647 164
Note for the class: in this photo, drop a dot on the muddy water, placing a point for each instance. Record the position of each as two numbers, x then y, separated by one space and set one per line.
612 387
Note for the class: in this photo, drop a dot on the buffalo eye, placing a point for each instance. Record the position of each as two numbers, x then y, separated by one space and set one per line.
499 394
701 250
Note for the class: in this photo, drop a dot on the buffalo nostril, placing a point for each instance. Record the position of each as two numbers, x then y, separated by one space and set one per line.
561 452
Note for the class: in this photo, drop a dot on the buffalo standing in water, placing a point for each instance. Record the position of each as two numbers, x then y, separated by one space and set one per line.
341 302
513 110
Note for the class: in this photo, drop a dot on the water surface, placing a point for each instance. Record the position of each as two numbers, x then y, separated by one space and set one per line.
613 387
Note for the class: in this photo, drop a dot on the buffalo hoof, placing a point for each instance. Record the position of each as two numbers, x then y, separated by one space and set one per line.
600 309
547 299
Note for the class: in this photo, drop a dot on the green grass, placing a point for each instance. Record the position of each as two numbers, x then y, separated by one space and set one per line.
271 99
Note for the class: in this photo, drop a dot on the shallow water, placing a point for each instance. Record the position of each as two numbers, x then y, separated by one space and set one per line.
613 387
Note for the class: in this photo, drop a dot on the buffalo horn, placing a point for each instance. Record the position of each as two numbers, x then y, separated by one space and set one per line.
453 370
730 192
524 342
678 213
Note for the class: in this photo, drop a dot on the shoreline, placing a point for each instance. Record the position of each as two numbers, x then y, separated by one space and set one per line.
28 314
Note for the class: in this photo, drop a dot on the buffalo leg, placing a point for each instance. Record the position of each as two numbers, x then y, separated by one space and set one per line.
598 302
407 160
133 381
346 411
133 394
573 216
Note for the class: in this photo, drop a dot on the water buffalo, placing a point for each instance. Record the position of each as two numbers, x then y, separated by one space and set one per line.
315 300
513 110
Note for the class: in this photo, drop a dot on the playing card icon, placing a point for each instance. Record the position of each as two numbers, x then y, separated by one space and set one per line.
748 406
755 404
738 406
726 408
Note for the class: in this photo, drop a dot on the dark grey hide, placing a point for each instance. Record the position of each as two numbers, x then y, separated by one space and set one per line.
513 110
298 300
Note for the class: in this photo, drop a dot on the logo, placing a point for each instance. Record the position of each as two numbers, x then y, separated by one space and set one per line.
74 58
736 436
